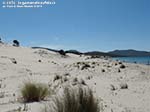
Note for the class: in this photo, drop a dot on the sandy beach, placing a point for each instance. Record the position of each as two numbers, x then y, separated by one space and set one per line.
122 87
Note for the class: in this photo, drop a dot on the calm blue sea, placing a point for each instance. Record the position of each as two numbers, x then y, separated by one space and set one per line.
141 60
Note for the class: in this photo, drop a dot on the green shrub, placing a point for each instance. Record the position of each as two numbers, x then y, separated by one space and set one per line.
32 92
16 43
62 52
77 100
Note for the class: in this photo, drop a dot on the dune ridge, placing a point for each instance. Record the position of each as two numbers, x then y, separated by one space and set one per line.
121 89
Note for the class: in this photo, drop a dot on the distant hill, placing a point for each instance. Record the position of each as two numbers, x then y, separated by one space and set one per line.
118 53
129 53
98 53
115 53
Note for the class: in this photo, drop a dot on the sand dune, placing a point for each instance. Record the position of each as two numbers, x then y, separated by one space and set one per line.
121 89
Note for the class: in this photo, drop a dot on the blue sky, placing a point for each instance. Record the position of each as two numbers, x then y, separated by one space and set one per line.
85 25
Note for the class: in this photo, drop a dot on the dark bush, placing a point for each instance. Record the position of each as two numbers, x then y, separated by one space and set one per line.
16 43
14 60
122 66
62 52
57 77
39 60
85 66
0 40
103 70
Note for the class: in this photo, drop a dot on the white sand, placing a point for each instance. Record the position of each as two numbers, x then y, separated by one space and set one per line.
136 98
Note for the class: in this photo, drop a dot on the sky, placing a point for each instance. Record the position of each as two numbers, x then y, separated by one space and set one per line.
84 25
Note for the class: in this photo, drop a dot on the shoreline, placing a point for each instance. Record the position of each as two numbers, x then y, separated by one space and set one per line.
135 60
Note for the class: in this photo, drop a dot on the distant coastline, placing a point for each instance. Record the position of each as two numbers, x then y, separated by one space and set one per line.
115 53
139 60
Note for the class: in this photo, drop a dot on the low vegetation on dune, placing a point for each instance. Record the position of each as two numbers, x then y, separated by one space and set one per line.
70 99
62 52
33 92
77 100
16 43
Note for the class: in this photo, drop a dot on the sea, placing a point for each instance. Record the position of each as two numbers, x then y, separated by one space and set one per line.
140 60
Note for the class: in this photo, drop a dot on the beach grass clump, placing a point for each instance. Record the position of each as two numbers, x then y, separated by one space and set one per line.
33 92
122 66
77 100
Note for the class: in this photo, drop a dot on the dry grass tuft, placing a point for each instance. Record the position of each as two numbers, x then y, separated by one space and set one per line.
77 100
32 92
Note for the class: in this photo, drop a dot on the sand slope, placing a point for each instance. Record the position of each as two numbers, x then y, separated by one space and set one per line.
105 77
